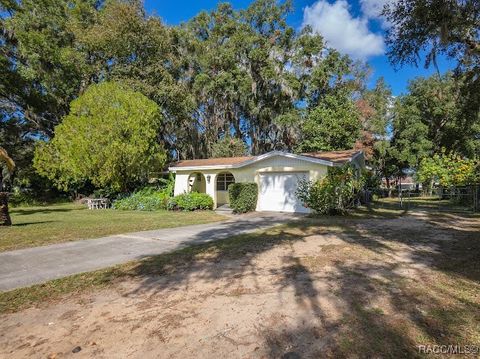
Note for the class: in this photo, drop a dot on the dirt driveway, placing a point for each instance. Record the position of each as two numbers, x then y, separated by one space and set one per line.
330 287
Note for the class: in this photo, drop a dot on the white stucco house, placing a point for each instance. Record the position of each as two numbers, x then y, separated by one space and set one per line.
276 173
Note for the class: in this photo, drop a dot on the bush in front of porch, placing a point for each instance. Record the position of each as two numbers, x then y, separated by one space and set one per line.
190 202
243 196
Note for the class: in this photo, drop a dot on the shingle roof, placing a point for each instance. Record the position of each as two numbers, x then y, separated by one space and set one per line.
331 156
220 161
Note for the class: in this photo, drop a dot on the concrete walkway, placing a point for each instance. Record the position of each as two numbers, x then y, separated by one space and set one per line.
30 266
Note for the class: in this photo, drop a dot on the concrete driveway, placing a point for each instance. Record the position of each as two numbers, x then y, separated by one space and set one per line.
30 266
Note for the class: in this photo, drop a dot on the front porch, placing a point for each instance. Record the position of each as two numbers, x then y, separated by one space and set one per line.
215 184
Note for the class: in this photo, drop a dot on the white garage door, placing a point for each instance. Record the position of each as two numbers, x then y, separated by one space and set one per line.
277 192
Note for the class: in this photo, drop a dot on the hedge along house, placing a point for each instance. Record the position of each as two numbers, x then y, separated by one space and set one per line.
276 174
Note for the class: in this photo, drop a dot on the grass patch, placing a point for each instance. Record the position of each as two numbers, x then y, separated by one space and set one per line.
423 203
36 226
18 299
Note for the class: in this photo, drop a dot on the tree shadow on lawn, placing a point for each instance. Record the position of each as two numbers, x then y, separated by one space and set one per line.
23 224
39 210
448 242
382 315
362 330
396 282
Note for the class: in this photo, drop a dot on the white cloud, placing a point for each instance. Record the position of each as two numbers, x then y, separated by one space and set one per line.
341 30
372 9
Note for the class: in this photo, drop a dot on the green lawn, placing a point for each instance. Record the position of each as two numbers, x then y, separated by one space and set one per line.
36 226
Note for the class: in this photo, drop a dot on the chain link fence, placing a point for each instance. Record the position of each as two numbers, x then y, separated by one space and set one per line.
455 199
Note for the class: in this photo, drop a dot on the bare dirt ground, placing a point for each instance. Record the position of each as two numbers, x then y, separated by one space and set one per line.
331 287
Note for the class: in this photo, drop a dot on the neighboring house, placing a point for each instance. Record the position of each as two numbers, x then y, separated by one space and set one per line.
406 183
276 173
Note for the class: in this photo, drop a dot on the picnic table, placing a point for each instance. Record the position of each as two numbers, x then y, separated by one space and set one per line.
98 203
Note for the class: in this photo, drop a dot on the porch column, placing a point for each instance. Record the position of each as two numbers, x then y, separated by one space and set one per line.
211 178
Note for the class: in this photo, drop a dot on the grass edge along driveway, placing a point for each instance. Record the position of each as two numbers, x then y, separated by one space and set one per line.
58 223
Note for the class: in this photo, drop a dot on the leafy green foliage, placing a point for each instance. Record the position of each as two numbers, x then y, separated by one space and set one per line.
229 147
385 161
227 73
429 122
44 67
448 170
146 199
370 180
243 196
430 119
190 202
242 90
333 125
239 73
442 28
334 194
375 118
109 138
131 47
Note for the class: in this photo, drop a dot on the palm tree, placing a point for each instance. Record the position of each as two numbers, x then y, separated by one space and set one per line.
9 165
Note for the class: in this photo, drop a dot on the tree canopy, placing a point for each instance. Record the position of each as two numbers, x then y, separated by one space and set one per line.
109 138
441 28
332 125
232 81
447 169
429 119
229 147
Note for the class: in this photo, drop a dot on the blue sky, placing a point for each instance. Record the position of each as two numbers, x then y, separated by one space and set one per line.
353 27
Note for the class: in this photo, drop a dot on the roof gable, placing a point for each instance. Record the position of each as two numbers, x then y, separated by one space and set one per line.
219 161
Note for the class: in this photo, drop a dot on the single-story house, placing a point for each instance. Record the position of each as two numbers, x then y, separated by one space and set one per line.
405 183
276 173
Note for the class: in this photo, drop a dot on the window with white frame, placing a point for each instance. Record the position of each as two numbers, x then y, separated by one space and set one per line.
224 180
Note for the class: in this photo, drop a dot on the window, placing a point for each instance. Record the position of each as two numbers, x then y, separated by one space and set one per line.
224 180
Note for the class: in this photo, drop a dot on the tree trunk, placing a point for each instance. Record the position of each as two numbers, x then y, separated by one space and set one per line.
4 215
430 187
389 187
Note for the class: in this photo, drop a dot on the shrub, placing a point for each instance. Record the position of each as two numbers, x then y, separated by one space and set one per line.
334 194
190 202
146 199
106 192
22 197
371 180
243 196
